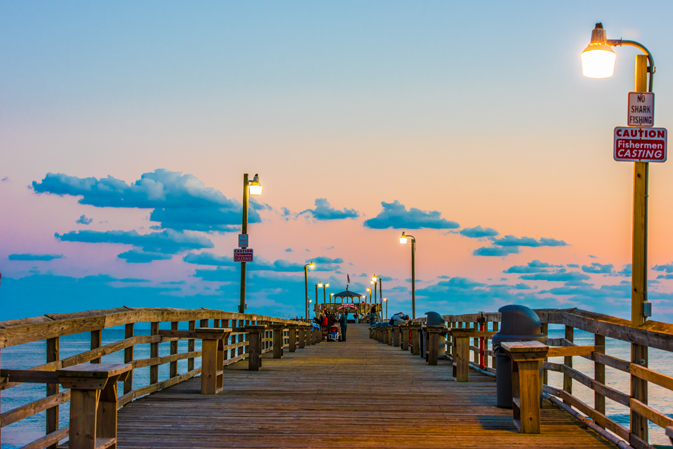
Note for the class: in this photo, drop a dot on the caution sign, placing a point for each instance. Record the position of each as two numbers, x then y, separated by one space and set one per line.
640 145
242 254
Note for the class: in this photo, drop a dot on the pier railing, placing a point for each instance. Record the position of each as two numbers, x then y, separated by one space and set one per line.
51 328
652 334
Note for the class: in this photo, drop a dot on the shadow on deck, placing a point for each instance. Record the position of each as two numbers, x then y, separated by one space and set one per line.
358 393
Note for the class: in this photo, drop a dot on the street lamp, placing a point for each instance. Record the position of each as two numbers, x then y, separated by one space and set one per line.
324 292
310 265
598 61
373 281
331 298
249 188
404 238
370 294
378 279
386 301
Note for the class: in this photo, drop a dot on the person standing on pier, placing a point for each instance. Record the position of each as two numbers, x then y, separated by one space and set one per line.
343 320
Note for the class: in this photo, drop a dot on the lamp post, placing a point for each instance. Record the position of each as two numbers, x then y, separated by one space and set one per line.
249 188
331 298
386 301
306 267
370 294
404 238
373 281
598 61
324 292
317 286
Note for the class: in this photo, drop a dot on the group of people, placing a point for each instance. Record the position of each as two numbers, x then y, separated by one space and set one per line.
327 319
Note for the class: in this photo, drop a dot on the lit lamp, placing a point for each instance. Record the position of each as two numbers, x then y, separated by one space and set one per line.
598 61
404 238
310 265
249 188
331 297
386 301
370 294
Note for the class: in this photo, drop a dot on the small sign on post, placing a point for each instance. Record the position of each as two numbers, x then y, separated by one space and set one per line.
242 254
242 240
641 109
640 145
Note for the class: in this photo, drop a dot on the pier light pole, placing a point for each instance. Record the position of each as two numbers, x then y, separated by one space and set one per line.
306 267
370 294
249 188
374 282
331 298
324 292
317 286
598 61
386 301
404 238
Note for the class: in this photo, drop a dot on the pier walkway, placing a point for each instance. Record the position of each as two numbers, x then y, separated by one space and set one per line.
355 394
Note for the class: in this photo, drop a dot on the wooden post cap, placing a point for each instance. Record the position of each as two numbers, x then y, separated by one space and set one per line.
255 328
95 376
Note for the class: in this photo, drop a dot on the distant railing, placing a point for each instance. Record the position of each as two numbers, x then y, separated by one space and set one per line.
652 334
52 327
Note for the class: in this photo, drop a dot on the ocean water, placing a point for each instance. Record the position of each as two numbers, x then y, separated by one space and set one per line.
33 354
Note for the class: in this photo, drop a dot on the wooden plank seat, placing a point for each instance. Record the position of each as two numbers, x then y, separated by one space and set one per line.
526 386
461 350
432 334
93 403
212 356
255 333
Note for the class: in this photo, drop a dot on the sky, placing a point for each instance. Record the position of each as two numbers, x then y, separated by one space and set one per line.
126 128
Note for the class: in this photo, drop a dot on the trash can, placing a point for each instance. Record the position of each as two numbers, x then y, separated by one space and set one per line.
517 323
434 319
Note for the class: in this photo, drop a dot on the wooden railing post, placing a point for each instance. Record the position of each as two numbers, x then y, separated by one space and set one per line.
241 338
96 342
129 331
389 335
277 340
475 343
293 338
404 332
256 334
568 361
53 354
496 327
154 353
174 350
545 372
190 348
599 374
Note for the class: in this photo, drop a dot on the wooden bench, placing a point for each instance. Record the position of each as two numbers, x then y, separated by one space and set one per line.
292 334
404 337
432 334
93 403
212 354
255 335
461 350
415 338
526 386
278 330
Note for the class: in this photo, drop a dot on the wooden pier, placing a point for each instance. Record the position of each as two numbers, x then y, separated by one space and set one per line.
266 382
358 393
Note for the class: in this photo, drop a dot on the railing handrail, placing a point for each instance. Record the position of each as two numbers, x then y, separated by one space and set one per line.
27 330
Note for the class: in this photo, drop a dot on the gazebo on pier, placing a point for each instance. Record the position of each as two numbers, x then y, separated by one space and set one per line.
336 302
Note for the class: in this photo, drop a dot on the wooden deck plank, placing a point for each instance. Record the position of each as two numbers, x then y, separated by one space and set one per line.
354 394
